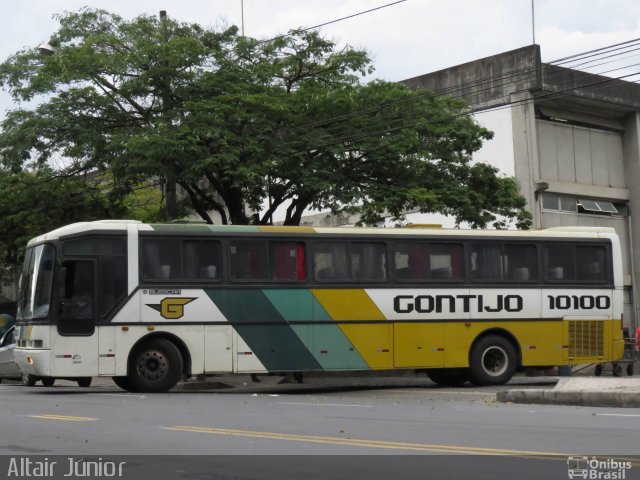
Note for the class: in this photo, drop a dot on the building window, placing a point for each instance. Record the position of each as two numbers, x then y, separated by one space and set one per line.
563 203
597 206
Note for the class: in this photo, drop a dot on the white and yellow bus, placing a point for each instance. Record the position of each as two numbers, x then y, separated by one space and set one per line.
150 305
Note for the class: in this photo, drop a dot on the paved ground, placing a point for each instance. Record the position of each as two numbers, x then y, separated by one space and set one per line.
581 389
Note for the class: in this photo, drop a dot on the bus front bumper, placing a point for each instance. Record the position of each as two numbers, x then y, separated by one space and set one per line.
33 362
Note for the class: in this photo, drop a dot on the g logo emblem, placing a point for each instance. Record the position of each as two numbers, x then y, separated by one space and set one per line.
172 308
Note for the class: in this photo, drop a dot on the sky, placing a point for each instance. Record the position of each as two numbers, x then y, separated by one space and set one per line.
405 40
408 39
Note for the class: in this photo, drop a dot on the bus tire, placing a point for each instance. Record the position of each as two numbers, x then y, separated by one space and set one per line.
492 361
156 366
84 382
123 383
28 380
48 381
448 377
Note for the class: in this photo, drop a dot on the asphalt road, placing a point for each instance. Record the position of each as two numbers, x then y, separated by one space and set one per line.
384 432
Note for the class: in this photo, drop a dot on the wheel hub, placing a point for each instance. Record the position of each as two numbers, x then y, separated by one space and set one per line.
152 365
495 361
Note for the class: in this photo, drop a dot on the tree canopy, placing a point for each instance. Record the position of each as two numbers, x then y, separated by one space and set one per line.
243 126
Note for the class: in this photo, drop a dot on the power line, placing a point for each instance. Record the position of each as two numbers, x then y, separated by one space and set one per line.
561 61
455 88
555 95
333 21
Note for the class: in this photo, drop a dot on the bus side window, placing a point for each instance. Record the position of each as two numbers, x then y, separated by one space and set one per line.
521 263
161 259
487 262
201 260
287 261
559 263
447 261
330 261
590 263
411 261
248 260
368 261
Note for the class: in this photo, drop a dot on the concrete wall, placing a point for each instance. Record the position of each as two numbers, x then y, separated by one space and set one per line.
573 134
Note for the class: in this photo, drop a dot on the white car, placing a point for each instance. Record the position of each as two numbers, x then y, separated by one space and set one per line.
8 367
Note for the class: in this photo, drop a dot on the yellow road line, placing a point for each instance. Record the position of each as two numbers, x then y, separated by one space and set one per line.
366 443
64 417
423 447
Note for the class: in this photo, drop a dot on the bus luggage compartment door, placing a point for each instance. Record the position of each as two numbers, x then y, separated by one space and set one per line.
107 350
418 344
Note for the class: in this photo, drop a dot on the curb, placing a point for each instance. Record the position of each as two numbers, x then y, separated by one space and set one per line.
585 398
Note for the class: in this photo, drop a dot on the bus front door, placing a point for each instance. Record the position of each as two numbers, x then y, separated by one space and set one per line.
74 356
77 298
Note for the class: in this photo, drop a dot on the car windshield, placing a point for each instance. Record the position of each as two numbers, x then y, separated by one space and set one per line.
34 298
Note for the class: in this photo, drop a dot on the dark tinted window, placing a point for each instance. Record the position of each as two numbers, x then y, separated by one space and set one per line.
95 246
201 259
364 261
161 259
591 263
368 261
286 260
112 267
504 263
575 263
181 260
248 260
420 261
266 260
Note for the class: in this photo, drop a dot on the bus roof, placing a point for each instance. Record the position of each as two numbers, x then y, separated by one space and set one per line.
198 228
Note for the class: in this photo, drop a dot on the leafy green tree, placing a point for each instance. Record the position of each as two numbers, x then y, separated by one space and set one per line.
236 121
34 203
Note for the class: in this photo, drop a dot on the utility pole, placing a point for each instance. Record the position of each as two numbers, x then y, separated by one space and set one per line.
533 22
171 201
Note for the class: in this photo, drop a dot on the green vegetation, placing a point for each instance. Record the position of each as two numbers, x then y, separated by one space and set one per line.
233 121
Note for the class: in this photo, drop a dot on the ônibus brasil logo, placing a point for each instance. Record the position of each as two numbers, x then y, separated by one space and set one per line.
594 468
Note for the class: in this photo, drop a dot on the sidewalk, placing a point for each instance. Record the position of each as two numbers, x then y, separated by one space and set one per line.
581 391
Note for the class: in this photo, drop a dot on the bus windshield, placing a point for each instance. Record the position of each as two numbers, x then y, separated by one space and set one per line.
36 282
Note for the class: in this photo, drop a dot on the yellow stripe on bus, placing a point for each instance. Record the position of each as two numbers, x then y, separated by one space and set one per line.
374 342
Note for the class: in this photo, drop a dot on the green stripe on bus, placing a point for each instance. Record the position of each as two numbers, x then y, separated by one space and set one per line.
202 228
328 344
275 344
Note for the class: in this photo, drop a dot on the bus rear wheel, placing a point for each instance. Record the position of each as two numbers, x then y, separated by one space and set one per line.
492 361
156 366
449 377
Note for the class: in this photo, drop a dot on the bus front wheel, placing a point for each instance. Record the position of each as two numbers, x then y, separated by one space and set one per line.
84 382
28 380
123 383
156 366
493 361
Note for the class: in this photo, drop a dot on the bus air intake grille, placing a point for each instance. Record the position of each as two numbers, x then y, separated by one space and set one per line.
586 338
